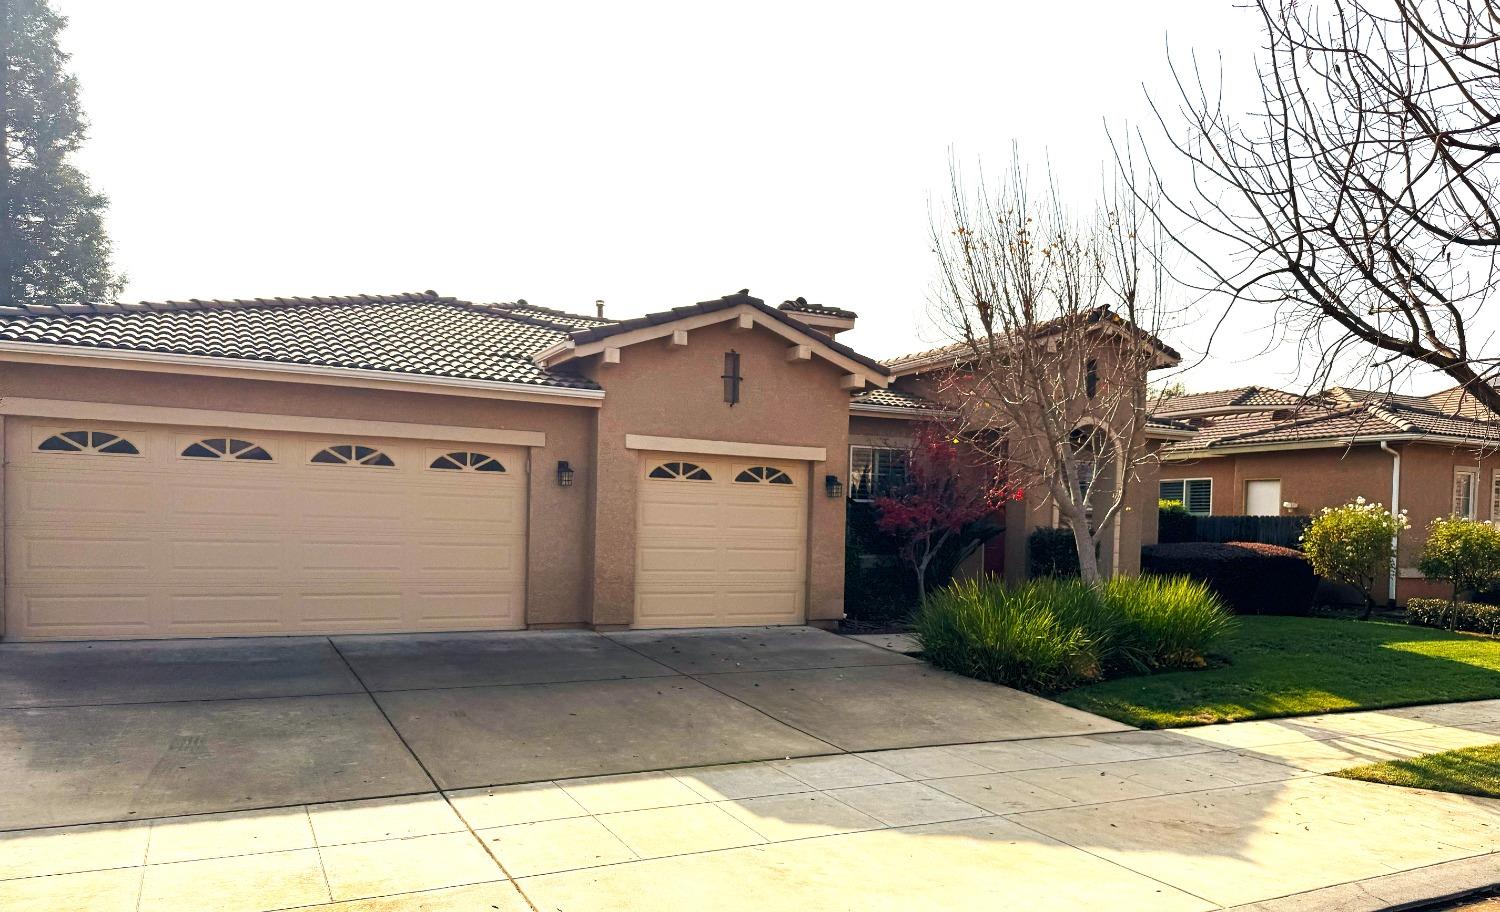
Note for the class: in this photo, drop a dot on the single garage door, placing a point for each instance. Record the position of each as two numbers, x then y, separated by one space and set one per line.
154 531
720 542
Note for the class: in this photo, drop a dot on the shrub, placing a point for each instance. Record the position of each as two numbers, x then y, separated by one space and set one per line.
1354 544
1250 577
1463 553
1162 622
1052 553
1174 523
1007 636
1048 634
1475 616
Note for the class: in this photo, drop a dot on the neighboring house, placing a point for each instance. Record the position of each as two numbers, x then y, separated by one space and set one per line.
881 429
1260 451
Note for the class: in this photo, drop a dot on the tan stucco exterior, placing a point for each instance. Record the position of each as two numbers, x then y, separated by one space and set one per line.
677 391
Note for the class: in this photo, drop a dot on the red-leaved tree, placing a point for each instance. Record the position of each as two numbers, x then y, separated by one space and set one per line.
943 494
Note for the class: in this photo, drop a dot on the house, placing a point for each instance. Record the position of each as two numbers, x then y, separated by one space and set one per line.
415 462
1261 451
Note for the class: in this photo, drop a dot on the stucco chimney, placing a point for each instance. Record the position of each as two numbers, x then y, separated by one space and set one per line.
599 306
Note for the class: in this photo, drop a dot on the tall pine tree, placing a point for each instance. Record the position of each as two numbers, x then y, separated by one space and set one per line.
53 247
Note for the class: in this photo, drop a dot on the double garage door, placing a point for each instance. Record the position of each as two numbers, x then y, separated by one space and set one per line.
117 531
720 541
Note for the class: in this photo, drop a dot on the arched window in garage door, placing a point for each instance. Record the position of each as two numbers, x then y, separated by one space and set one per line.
467 462
763 475
97 442
680 471
353 454
226 448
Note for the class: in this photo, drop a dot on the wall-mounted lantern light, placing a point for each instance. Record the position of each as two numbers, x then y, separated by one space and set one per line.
835 487
564 474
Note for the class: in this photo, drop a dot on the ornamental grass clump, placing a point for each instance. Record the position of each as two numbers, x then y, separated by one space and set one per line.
1163 622
1048 635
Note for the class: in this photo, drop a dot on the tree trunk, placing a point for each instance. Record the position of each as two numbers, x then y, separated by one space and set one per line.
1088 558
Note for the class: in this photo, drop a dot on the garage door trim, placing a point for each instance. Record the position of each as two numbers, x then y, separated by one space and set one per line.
71 410
725 448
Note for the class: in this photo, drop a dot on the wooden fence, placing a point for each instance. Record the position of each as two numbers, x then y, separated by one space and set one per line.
1285 531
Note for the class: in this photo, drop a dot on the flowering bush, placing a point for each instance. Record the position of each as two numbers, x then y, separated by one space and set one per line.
1462 552
1354 544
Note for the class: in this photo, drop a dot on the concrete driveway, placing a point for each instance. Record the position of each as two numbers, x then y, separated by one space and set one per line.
117 731
772 769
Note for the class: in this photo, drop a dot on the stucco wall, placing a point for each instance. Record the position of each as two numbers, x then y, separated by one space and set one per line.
557 558
678 392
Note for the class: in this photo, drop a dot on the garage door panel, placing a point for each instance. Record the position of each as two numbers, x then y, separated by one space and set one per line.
764 559
345 608
762 607
50 554
71 611
682 608
166 545
775 517
446 607
62 498
225 501
217 611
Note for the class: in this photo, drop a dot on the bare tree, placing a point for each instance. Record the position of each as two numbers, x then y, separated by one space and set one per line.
1356 200
1056 323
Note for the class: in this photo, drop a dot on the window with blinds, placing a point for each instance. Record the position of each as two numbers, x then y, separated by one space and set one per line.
1197 494
1465 485
875 471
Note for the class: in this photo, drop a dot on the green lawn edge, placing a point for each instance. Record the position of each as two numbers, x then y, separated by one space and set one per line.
1465 771
1280 667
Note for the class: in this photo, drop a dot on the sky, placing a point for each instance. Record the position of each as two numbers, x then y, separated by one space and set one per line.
648 154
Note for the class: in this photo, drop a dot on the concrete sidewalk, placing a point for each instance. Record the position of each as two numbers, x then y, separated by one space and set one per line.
1220 817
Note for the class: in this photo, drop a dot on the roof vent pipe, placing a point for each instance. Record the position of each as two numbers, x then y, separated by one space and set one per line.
599 306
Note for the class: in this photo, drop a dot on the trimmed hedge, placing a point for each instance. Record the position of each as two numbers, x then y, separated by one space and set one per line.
1474 616
1250 577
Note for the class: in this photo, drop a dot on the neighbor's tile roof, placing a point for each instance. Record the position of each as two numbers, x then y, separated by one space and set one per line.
1237 399
1338 417
889 398
419 333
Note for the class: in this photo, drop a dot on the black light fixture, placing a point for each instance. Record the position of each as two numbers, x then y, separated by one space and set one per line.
835 487
564 474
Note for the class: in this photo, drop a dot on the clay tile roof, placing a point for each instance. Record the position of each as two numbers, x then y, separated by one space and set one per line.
958 351
1238 399
800 305
1341 415
420 333
598 333
896 399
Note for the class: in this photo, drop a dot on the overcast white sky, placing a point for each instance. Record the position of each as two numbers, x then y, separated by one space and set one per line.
649 154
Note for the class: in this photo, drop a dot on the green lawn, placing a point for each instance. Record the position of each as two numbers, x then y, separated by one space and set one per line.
1284 666
1470 771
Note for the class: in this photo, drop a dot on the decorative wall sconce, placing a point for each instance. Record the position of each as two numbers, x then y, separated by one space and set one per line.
835 487
564 474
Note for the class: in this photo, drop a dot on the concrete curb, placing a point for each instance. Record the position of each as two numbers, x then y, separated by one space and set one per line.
1412 889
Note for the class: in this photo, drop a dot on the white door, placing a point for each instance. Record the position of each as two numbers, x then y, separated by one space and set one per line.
115 530
1263 498
720 542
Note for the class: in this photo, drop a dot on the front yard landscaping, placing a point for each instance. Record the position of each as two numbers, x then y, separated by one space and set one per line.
1470 771
1269 667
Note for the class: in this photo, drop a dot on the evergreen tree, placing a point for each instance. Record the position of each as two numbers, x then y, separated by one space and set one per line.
53 247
